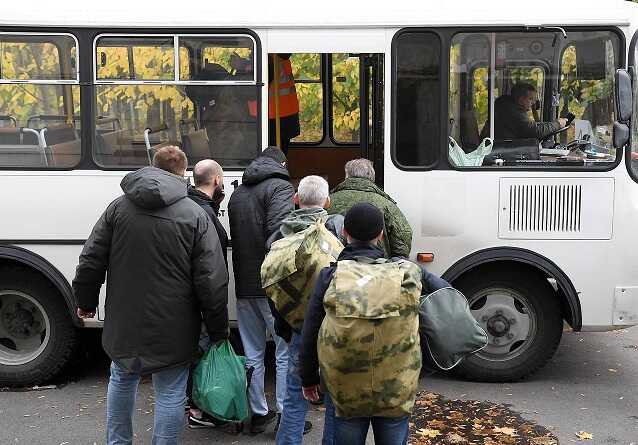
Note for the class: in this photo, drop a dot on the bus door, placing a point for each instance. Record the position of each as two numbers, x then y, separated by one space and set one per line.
340 99
371 106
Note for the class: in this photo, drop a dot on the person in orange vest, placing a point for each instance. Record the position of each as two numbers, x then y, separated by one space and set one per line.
288 102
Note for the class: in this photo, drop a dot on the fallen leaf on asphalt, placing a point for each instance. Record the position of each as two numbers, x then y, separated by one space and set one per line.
454 439
505 430
583 435
427 432
543 441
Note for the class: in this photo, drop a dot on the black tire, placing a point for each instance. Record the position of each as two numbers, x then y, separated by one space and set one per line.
540 343
62 334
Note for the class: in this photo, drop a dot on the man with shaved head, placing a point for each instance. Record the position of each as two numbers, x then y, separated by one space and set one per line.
208 192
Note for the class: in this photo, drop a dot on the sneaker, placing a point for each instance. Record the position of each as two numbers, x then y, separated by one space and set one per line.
307 426
199 419
259 423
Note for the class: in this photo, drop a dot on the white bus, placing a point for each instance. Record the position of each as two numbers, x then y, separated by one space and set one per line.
534 233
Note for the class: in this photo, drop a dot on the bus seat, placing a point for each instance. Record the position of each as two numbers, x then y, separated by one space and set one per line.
17 136
115 148
9 136
56 134
66 154
196 145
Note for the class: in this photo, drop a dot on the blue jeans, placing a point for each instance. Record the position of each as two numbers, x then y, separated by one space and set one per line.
387 430
295 406
329 421
170 400
255 321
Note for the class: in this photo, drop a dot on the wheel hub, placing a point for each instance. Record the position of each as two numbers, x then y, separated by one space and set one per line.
505 316
24 328
20 322
498 326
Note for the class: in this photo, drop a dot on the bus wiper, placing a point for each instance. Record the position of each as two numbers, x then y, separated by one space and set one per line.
555 28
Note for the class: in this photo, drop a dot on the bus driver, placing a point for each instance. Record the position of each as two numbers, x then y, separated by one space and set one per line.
512 120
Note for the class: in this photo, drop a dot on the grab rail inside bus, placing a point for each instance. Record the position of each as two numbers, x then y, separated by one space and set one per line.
50 118
10 119
105 120
148 131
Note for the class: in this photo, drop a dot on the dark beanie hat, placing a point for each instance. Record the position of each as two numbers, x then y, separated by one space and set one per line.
274 153
363 221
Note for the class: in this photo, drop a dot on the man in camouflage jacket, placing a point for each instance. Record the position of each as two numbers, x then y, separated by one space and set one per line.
359 186
362 220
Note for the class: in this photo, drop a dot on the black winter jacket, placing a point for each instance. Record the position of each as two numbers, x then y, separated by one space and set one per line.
255 211
212 211
165 271
513 122
315 312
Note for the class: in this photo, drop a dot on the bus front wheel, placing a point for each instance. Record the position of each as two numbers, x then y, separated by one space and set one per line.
521 315
37 336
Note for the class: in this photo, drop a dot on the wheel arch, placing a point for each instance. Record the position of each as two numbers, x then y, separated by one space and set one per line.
18 256
570 302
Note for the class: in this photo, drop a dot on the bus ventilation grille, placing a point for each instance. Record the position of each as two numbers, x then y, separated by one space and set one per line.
545 208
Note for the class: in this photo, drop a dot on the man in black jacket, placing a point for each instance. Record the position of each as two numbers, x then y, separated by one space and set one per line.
255 210
208 193
511 116
165 272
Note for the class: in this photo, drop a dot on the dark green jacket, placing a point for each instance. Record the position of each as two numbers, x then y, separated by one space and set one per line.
398 233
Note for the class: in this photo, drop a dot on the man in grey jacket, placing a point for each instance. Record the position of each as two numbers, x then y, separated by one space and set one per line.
165 272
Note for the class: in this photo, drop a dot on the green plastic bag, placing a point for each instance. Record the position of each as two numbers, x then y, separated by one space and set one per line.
219 384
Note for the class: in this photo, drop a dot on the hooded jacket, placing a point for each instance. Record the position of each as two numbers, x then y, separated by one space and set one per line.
165 272
398 233
255 211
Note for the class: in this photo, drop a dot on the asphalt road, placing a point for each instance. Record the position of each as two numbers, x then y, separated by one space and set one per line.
590 386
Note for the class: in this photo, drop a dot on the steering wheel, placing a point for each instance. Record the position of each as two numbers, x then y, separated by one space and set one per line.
577 143
570 119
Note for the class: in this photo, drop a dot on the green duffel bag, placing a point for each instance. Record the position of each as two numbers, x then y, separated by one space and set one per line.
451 332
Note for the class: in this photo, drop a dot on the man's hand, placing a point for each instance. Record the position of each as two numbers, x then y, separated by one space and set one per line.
311 393
562 121
85 314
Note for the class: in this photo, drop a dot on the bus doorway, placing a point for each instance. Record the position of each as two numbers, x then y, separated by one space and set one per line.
340 98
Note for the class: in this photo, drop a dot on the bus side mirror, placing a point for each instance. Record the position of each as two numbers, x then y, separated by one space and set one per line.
624 106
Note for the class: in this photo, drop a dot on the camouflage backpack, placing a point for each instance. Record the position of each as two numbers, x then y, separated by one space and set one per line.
369 348
291 268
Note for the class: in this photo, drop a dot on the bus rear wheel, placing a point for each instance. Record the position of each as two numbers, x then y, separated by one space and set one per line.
37 336
521 315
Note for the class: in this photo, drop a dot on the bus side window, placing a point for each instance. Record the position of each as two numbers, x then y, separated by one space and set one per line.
39 101
418 99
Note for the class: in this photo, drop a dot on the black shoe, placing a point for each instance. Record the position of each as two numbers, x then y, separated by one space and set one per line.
307 426
259 423
199 419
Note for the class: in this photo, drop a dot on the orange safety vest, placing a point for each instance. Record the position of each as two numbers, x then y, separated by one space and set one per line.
288 102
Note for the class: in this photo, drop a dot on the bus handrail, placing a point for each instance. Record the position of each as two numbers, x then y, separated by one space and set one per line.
147 141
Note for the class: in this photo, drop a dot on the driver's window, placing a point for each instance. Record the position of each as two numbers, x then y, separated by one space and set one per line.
532 98
587 90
